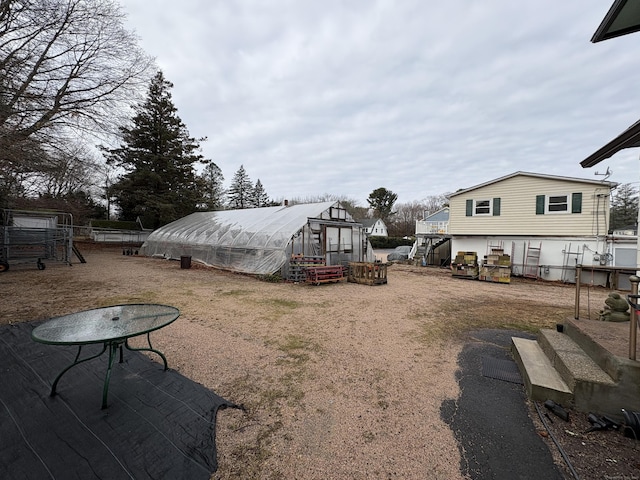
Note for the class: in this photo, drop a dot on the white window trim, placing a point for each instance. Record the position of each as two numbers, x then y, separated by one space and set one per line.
552 212
475 207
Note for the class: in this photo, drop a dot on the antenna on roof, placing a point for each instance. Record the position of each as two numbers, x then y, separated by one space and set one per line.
606 174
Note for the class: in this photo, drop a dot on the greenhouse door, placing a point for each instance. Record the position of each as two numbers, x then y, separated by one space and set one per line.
338 244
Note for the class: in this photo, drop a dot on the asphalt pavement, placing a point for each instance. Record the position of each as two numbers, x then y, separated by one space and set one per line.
490 418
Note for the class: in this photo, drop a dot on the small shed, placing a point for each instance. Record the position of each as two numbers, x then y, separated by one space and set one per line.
263 240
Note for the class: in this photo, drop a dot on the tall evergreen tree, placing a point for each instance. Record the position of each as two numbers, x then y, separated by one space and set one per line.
624 207
382 200
259 197
241 190
213 190
160 184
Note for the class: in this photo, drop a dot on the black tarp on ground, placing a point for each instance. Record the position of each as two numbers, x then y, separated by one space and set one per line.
159 424
490 418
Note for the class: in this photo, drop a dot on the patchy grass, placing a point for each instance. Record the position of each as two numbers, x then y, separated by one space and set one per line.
247 458
276 308
235 293
452 320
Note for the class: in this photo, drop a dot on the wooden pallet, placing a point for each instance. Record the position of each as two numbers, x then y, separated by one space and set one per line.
368 273
325 274
298 265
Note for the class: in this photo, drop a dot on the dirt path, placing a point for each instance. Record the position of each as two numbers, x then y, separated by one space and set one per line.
335 378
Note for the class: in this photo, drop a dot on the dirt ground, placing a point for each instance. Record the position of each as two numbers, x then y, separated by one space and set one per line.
334 377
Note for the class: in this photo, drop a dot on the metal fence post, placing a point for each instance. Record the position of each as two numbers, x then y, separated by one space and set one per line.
576 313
633 319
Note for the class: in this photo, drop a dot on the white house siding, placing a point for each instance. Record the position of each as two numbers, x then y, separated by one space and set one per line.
518 216
565 239
558 255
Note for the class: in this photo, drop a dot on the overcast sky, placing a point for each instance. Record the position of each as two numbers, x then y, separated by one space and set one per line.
417 96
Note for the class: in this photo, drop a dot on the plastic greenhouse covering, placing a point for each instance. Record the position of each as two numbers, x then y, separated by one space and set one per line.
260 240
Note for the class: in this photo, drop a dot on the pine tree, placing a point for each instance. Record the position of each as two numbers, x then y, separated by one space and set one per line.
213 190
381 201
160 184
241 190
259 197
624 207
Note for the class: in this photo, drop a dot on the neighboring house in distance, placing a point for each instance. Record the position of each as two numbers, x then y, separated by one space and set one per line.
374 227
432 238
436 223
547 224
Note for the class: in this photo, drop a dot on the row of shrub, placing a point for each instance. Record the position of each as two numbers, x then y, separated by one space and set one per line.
389 242
115 224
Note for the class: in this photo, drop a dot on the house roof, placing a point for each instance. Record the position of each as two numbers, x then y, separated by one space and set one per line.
628 139
368 222
622 18
534 175
441 215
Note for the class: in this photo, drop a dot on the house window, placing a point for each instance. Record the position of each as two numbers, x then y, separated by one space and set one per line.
483 207
558 203
563 203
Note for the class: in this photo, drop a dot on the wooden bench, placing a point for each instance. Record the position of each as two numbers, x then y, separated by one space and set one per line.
324 274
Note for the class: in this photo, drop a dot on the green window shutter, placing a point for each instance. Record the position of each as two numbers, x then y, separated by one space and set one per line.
576 203
539 204
469 208
496 206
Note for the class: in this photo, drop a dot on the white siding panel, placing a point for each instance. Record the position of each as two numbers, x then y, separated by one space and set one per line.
518 209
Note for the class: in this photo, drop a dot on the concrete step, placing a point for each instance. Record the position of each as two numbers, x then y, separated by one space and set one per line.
574 365
555 367
541 379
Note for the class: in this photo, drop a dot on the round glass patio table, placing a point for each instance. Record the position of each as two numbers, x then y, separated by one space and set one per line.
110 326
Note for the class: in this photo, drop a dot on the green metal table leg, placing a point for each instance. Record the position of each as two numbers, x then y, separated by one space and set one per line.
113 348
75 362
145 349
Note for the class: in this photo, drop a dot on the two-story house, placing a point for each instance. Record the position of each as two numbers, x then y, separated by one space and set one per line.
374 227
547 224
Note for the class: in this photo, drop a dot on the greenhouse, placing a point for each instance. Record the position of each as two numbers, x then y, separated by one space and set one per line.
263 240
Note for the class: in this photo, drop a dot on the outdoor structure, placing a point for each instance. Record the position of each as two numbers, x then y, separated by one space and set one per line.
432 238
35 237
374 227
263 240
547 224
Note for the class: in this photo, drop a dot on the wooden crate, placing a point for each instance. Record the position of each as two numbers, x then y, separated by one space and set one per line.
464 271
495 273
368 273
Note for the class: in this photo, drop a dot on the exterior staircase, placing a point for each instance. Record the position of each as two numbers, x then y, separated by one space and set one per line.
581 365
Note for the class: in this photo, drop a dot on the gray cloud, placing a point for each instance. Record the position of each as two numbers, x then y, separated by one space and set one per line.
418 97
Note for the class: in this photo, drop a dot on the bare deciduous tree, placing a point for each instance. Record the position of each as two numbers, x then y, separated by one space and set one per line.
65 65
